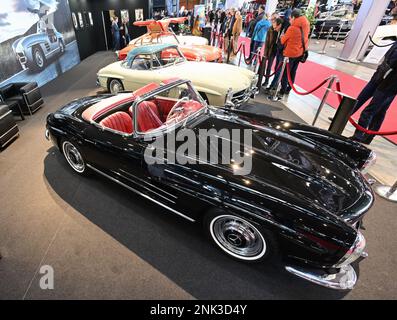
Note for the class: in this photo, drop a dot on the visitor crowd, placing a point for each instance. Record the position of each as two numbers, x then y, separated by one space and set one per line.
278 36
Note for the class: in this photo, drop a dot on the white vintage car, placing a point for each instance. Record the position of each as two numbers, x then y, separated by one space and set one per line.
218 83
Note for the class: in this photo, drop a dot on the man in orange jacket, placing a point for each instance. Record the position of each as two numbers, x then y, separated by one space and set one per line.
293 46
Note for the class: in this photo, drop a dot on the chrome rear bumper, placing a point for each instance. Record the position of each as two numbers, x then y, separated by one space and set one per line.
345 279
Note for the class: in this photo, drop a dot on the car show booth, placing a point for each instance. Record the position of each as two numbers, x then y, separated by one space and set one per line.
165 168
101 12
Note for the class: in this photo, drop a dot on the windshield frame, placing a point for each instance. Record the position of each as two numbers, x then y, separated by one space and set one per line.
164 129
154 56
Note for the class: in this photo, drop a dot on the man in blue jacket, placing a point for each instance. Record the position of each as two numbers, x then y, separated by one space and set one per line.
259 34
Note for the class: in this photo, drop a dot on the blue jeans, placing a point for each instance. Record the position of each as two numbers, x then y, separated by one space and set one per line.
268 71
116 41
279 59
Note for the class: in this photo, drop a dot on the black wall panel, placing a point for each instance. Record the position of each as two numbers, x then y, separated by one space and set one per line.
92 39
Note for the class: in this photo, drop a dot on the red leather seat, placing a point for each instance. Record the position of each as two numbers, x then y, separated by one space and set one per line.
119 121
145 105
148 116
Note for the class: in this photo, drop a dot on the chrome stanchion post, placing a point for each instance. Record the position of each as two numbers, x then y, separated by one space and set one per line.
340 29
242 51
326 41
386 192
337 36
320 33
261 71
256 60
311 35
324 99
285 61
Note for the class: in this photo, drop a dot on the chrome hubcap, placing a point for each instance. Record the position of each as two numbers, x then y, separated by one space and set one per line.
73 157
238 237
115 86
39 59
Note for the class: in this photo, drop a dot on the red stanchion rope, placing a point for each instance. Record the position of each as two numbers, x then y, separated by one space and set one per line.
275 70
299 92
360 128
247 60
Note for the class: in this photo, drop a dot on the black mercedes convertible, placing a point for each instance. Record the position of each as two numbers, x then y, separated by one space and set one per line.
300 197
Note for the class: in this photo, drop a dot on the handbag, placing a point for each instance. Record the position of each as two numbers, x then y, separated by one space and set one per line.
305 55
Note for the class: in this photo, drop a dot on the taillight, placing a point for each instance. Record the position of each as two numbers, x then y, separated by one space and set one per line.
354 252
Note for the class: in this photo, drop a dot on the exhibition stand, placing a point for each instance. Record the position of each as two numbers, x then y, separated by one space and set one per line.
77 177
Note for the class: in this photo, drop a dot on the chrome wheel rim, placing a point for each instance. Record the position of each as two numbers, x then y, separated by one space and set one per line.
73 157
115 86
39 58
237 237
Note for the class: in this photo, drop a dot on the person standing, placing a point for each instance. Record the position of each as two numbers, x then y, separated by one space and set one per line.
116 33
259 35
295 42
254 22
125 32
196 27
229 30
226 30
279 54
382 88
270 50
248 18
236 30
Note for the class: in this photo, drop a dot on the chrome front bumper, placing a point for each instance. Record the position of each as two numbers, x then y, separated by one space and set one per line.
238 100
345 279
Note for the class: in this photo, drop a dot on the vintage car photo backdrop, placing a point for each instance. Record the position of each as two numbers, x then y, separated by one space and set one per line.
37 40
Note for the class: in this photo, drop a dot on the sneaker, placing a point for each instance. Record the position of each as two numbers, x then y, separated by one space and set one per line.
267 90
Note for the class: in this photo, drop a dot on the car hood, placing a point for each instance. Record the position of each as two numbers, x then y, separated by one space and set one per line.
209 53
285 162
188 40
211 75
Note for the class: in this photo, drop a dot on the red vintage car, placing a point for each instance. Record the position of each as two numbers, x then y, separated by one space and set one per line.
194 48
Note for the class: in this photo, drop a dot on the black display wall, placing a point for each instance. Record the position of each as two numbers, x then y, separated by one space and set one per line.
91 39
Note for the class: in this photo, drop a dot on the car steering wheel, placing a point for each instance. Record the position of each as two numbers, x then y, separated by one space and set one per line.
177 110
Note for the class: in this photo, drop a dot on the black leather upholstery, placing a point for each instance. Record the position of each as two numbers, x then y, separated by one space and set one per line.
8 126
27 94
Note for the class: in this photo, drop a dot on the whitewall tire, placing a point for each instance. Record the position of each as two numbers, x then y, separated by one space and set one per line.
238 237
73 157
115 86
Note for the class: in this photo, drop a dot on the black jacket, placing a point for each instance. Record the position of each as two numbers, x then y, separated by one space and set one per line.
386 73
253 23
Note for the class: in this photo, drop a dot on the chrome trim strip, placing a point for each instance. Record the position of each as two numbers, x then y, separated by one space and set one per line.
145 187
5 115
140 193
150 184
182 177
8 131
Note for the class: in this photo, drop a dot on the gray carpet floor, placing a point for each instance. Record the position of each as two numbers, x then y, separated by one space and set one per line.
104 242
